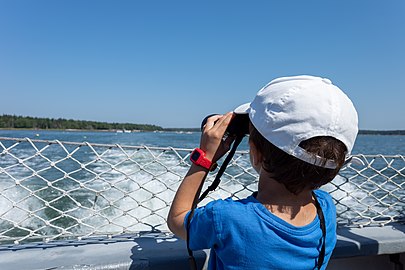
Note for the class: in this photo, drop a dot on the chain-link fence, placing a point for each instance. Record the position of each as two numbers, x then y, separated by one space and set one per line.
62 190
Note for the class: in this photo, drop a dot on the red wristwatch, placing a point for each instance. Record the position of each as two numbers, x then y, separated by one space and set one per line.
198 158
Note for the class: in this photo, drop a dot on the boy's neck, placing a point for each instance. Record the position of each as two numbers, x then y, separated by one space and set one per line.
298 210
272 192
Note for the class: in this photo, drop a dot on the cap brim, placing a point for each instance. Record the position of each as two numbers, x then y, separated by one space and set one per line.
242 109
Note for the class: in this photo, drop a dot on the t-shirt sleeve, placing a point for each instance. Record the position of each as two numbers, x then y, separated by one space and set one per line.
203 233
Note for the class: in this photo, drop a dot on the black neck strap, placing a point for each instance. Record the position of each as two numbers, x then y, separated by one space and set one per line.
321 217
221 170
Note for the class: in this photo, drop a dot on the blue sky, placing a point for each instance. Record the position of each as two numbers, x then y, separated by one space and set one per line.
170 63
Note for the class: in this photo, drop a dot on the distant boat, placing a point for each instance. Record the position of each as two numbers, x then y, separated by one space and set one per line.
183 132
127 131
120 131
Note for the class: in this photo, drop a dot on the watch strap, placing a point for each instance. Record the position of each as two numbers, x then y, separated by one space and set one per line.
202 161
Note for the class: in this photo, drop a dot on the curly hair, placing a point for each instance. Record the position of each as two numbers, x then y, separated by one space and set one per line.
297 175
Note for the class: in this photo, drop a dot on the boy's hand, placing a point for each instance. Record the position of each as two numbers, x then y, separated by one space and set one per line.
213 142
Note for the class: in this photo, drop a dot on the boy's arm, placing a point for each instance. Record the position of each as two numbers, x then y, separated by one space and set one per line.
189 191
190 188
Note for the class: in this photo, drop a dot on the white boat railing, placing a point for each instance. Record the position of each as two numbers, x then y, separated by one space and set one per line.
51 190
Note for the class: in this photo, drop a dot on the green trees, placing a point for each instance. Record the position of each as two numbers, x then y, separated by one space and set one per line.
13 121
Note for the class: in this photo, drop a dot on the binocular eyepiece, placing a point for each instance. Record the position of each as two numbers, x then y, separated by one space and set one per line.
238 127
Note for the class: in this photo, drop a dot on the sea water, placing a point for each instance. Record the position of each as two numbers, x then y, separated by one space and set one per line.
365 144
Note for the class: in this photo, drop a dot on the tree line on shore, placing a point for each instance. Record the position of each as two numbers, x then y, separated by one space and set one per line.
26 122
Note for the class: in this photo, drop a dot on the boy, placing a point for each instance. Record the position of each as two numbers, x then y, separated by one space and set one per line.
302 129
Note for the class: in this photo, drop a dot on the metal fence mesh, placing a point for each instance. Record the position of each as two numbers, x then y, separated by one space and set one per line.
59 190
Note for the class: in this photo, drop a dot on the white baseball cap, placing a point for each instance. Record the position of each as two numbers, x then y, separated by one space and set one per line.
290 110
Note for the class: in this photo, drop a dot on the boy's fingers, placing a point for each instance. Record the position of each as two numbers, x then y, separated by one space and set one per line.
211 121
223 123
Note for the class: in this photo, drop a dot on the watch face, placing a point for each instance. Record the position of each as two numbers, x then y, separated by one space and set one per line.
195 155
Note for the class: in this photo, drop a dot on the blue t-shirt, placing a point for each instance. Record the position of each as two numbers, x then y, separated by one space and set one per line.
243 234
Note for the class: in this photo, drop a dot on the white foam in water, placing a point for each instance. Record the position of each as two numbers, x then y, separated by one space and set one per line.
146 203
19 214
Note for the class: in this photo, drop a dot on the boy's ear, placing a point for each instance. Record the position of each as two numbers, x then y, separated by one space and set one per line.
256 155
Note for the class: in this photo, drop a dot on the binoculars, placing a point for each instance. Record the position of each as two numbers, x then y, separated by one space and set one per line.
238 127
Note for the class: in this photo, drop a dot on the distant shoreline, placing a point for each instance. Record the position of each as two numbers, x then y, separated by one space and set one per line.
108 130
14 122
382 132
27 122
361 132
